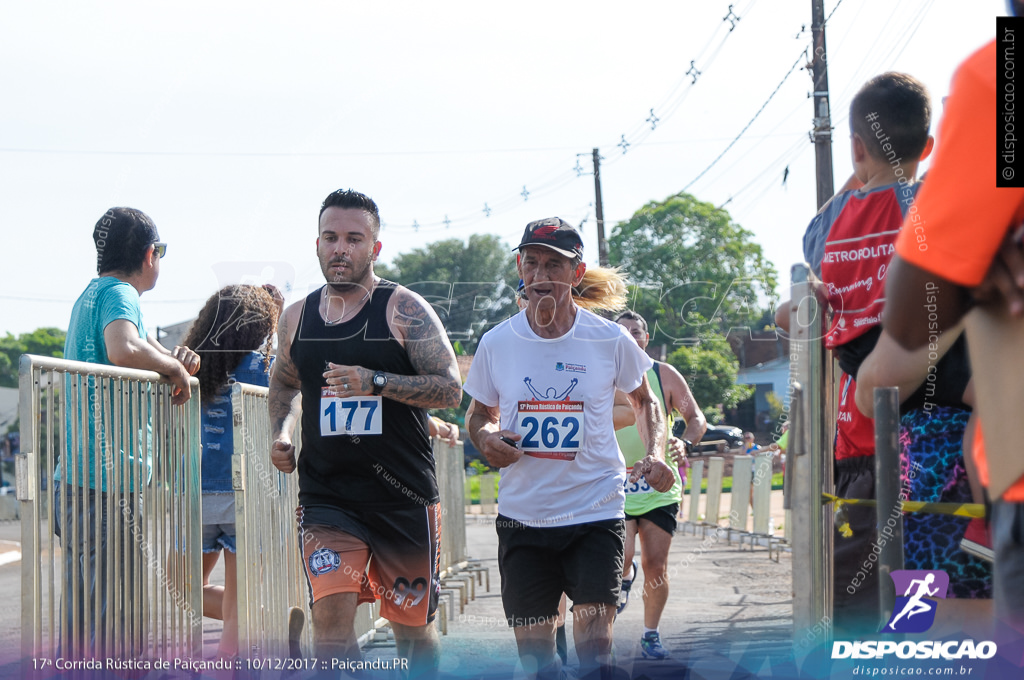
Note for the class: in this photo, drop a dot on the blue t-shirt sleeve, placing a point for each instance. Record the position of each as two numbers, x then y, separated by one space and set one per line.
121 302
814 242
817 232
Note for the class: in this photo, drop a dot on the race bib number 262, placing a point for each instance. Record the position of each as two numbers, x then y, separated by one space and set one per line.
351 415
551 429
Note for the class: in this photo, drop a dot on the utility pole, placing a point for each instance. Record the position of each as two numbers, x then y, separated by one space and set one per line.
822 133
602 247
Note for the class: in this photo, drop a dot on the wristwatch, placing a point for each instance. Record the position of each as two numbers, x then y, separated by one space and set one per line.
380 379
688 446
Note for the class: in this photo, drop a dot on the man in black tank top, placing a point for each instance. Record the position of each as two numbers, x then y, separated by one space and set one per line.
360 360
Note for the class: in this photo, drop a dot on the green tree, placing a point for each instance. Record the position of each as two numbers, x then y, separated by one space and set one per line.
710 368
693 269
47 342
471 286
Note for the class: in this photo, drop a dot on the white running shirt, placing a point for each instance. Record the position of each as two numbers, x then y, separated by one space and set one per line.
558 393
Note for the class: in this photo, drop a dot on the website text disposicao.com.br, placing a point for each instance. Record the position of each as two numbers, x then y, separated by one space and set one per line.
891 652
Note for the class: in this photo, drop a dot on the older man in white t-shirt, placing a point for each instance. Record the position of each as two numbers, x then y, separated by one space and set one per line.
543 386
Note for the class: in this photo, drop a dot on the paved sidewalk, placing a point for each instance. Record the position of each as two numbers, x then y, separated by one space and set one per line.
728 608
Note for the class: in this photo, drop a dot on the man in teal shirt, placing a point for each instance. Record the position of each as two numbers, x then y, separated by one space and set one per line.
106 328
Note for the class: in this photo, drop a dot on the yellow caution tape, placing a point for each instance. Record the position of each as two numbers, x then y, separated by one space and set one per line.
959 509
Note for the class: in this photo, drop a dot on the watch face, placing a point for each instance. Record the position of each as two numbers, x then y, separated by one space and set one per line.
380 380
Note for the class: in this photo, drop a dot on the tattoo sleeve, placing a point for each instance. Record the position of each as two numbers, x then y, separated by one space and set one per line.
284 400
437 383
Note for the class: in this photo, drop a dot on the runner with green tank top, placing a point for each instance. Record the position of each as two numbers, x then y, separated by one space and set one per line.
650 514
640 497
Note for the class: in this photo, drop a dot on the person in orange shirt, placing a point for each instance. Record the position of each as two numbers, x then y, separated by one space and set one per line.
956 235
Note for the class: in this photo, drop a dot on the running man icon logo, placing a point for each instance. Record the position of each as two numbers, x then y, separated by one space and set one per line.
914 611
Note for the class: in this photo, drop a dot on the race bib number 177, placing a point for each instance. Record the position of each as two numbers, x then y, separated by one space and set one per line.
351 415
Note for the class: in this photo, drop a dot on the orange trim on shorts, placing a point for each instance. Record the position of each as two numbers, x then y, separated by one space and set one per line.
336 562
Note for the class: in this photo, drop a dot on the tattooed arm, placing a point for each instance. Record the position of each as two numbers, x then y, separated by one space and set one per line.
285 398
414 324
437 383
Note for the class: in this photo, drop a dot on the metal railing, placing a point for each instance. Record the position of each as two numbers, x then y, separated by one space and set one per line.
270 575
887 492
742 475
809 462
112 466
762 494
696 475
270 578
451 483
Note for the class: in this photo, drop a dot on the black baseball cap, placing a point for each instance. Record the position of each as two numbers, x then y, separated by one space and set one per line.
554 233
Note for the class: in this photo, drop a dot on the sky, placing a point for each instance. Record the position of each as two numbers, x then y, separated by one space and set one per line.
229 122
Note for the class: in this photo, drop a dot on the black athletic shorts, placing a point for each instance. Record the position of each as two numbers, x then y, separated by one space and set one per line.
538 564
664 517
855 566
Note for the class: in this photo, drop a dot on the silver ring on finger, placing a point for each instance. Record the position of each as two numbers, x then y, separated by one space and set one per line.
345 386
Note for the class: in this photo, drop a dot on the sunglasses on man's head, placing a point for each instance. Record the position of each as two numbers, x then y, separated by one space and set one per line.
160 249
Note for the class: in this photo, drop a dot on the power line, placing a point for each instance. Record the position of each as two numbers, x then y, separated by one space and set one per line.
825 23
671 104
280 154
792 68
727 170
785 158
640 133
657 116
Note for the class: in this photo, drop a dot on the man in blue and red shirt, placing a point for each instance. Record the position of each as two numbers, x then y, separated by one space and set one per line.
849 244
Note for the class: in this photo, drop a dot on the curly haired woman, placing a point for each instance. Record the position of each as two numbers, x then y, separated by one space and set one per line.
232 336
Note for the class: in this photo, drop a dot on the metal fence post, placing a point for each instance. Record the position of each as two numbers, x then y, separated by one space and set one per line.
887 493
270 578
810 463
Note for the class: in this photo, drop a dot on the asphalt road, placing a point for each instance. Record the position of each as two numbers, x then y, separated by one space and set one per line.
728 608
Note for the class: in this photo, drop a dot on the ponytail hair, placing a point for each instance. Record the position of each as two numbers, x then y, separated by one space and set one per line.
602 288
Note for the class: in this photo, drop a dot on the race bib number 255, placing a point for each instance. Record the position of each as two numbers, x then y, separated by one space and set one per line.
351 415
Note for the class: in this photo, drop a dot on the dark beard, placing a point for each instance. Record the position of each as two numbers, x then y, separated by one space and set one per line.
356 282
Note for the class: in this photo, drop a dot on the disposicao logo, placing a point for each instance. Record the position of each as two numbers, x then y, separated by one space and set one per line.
914 611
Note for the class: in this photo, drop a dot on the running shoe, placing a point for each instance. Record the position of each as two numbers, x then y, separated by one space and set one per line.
627 583
650 646
977 540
